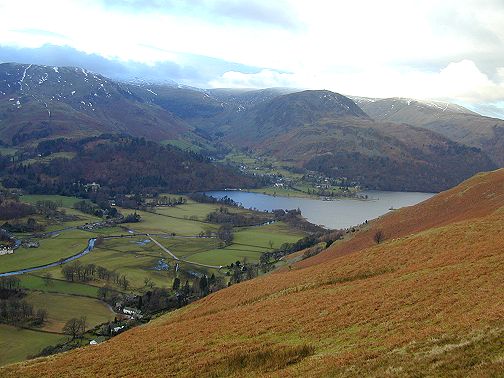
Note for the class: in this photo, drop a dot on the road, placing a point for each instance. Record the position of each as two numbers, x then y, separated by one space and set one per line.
90 247
178 259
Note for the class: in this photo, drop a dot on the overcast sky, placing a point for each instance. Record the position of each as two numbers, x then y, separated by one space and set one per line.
440 49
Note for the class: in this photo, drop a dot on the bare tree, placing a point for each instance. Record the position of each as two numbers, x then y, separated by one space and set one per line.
40 316
379 236
75 327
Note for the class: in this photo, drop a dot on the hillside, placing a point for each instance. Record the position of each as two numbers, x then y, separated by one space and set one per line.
328 132
245 98
41 102
315 130
427 303
453 121
119 165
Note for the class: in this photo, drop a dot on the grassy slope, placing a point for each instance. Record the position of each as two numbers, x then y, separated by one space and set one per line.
62 307
65 201
37 282
475 197
16 344
425 303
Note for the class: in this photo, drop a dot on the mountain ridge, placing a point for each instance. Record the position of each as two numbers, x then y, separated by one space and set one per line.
453 121
41 101
334 136
317 130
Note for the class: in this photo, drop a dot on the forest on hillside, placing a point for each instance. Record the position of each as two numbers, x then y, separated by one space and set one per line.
119 165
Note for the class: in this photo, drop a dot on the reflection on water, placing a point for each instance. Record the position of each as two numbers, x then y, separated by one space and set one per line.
339 213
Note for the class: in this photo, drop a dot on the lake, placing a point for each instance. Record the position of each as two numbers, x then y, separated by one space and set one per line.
337 214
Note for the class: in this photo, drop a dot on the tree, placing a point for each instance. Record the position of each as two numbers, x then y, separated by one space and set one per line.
176 284
225 233
40 316
123 282
212 279
379 236
104 292
187 289
75 327
48 279
203 285
149 283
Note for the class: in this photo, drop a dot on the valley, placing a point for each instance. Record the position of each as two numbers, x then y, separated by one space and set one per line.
239 231
315 134
356 308
129 251
251 189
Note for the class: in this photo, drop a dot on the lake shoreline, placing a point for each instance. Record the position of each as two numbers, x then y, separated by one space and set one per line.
338 213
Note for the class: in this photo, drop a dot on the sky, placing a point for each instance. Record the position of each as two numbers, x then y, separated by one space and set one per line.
448 50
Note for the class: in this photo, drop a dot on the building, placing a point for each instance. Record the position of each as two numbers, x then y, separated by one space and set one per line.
131 311
6 251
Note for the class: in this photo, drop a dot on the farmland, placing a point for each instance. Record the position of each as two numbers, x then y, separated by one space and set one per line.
423 302
127 251
62 307
16 344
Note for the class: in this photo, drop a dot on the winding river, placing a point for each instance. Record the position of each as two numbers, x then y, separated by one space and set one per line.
337 214
88 249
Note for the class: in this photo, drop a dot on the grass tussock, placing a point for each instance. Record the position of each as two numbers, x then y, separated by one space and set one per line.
264 360
476 354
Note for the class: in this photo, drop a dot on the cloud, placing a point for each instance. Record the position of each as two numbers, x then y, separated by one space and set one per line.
190 69
264 79
424 49
40 32
276 14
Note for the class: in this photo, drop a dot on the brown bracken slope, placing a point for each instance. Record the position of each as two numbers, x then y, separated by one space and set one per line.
428 301
476 197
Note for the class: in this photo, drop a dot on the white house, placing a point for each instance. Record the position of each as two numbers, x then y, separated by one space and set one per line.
131 311
117 329
6 251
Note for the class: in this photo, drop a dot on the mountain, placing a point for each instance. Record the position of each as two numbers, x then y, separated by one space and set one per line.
453 121
318 130
424 302
244 98
328 132
205 108
41 102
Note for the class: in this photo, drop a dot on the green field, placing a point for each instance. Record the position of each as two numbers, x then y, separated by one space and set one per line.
186 248
66 201
190 210
279 191
52 249
162 223
126 257
62 307
182 144
37 282
17 344
249 243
